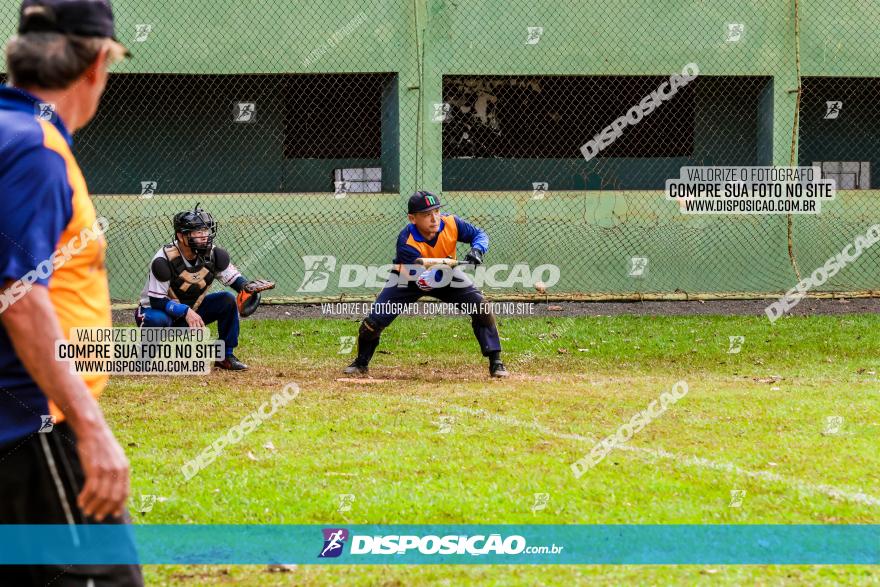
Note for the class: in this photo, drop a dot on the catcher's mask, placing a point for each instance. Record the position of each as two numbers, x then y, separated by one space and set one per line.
194 220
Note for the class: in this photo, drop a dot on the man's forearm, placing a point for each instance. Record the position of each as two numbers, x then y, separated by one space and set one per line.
238 284
33 328
171 307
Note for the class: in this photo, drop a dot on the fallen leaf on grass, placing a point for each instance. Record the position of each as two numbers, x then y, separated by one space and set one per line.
276 568
771 379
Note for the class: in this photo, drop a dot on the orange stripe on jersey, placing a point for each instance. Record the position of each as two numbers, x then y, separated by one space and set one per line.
446 240
78 289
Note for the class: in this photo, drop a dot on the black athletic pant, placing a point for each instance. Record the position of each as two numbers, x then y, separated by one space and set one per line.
40 479
393 298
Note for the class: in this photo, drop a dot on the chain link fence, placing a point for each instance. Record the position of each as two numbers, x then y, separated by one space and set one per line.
304 127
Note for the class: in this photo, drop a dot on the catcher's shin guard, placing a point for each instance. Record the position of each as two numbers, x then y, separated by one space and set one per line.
368 340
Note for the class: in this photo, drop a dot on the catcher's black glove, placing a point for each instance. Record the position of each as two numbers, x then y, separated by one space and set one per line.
474 257
257 285
248 299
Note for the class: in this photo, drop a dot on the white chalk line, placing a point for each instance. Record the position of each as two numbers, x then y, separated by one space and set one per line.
691 461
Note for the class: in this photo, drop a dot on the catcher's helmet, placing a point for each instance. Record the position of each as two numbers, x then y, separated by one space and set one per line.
193 220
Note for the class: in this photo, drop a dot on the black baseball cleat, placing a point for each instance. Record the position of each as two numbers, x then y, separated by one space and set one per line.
231 363
356 369
497 369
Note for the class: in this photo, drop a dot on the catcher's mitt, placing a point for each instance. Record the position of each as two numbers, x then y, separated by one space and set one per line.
257 285
248 299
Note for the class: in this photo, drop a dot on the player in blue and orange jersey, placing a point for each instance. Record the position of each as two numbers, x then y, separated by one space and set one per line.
431 234
52 276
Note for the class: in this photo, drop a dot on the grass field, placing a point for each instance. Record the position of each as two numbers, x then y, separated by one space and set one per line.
432 440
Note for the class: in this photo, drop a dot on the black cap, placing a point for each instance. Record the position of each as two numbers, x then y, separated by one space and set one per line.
422 202
86 18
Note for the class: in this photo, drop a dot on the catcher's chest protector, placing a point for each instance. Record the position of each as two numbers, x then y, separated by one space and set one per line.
188 284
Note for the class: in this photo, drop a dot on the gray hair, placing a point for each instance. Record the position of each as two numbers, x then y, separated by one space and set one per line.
48 60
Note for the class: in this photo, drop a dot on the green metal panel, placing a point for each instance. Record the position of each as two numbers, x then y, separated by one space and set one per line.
590 234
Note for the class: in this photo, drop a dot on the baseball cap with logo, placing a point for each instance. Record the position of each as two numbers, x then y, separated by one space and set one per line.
86 18
422 202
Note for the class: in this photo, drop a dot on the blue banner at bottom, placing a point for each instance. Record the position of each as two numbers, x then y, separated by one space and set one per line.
441 544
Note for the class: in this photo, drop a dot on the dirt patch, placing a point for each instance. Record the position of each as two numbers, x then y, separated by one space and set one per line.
366 380
807 307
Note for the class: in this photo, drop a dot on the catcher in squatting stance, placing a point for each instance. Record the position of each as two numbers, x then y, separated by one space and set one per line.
431 235
176 293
